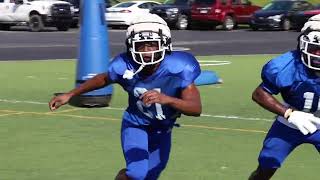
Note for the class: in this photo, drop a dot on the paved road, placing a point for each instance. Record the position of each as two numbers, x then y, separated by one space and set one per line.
20 44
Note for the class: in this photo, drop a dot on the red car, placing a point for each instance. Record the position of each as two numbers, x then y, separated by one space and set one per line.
298 19
228 13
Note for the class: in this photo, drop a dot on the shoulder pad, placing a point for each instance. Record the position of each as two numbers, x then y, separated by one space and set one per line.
182 64
177 61
120 63
282 69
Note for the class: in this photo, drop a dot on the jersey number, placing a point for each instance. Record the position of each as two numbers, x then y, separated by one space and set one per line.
309 96
145 108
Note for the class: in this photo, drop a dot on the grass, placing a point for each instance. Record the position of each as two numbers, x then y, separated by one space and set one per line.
84 144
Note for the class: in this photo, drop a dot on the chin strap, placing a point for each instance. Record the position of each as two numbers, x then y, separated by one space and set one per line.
128 74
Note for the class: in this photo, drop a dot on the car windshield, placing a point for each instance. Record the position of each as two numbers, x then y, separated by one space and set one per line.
124 5
176 2
278 5
204 1
75 3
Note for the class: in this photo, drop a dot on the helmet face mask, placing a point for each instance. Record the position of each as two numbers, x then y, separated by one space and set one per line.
147 50
310 49
148 39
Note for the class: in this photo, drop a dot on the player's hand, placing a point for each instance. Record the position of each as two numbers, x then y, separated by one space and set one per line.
153 96
305 122
315 120
58 101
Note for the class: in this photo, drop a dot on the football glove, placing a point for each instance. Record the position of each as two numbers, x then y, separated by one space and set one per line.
305 122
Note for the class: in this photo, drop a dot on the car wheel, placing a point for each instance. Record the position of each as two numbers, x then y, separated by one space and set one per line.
36 23
74 25
5 27
63 27
182 23
228 23
254 27
286 25
193 25
298 28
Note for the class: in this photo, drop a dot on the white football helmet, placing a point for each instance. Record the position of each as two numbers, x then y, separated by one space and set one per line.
309 44
313 23
152 29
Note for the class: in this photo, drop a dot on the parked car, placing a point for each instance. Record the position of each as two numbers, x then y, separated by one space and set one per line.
298 19
277 14
35 14
177 13
76 9
228 13
110 3
75 12
123 13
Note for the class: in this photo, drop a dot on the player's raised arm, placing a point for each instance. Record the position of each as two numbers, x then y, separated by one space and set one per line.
189 103
96 82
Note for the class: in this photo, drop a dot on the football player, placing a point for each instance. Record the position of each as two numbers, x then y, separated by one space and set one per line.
296 76
160 85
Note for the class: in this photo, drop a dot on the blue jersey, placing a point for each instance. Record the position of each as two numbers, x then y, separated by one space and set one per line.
299 88
175 72
298 85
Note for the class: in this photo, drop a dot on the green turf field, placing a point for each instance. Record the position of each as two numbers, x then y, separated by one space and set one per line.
84 144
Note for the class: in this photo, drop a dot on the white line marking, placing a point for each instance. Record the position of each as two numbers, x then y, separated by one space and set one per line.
31 77
73 45
230 117
211 61
63 78
36 61
39 60
21 102
181 49
242 55
215 64
9 114
115 108
36 46
236 117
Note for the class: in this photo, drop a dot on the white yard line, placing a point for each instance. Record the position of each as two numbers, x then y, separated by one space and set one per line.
21 102
229 117
215 64
236 117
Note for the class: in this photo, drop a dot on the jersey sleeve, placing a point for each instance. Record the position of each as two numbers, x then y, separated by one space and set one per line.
278 74
190 71
116 68
269 76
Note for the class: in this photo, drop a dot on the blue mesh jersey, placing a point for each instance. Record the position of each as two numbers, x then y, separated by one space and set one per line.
298 85
176 71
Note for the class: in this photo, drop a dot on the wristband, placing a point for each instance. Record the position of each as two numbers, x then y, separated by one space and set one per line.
288 113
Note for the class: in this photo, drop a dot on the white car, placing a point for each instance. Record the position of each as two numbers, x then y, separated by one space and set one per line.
36 14
123 13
